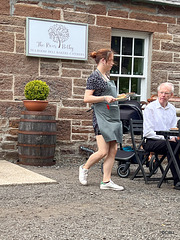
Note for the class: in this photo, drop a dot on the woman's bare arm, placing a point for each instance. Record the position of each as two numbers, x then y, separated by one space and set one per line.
90 98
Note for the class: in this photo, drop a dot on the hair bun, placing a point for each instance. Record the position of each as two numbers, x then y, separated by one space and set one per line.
93 54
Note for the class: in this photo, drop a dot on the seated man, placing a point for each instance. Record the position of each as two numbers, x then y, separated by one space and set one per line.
161 115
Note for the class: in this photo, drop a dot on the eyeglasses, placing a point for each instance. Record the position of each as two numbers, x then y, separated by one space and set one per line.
165 93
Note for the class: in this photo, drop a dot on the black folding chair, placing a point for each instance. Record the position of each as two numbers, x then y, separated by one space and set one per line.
142 156
166 136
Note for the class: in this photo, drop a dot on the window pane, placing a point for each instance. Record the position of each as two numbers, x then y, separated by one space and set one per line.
127 46
126 65
136 87
138 66
115 68
123 85
139 47
115 44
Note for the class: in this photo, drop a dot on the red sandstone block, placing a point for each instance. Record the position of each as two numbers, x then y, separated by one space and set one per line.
71 73
78 91
6 82
169 46
5 7
76 65
118 13
152 18
78 97
99 9
56 5
63 130
6 95
99 34
27 10
11 29
87 123
176 59
78 17
86 74
8 146
140 8
94 45
73 113
166 66
7 42
79 137
162 36
51 69
92 139
156 44
131 24
76 122
14 123
11 138
80 82
3 123
159 76
162 56
11 109
168 10
176 39
12 21
18 64
13 131
20 47
82 129
73 103
11 155
20 37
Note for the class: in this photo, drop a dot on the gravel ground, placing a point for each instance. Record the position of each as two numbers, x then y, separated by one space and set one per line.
68 210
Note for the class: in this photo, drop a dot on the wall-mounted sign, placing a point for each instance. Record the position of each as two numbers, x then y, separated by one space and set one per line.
55 39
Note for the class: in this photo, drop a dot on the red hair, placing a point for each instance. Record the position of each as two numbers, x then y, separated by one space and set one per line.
101 53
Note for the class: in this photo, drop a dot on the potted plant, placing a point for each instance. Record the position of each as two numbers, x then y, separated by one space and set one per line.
36 93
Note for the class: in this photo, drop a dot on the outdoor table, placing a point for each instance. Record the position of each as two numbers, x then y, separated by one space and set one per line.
166 135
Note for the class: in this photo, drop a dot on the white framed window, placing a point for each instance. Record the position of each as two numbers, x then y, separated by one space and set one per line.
131 62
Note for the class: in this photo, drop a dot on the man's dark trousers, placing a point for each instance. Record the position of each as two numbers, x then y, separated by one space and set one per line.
160 147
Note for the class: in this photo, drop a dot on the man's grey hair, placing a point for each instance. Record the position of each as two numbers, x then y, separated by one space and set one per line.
168 84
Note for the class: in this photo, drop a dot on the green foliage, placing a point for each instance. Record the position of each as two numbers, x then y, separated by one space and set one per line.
36 90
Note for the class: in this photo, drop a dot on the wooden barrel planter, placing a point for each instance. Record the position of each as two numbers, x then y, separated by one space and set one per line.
37 138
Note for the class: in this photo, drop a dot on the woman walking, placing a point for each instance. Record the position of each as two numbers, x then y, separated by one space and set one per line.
101 92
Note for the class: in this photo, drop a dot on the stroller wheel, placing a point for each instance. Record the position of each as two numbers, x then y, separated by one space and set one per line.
152 164
121 172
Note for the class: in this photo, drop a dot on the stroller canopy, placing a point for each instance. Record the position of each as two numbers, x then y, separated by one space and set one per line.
129 109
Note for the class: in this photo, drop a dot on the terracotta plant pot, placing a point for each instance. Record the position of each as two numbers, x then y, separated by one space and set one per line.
35 105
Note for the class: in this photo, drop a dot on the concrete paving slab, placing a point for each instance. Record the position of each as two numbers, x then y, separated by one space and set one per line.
12 174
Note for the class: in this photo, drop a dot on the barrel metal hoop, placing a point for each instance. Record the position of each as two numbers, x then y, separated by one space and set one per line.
37 113
35 157
37 133
37 120
36 145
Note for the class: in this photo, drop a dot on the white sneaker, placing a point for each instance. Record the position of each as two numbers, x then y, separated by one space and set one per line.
111 185
83 175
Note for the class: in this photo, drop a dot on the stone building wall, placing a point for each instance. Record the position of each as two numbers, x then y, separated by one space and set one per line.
67 78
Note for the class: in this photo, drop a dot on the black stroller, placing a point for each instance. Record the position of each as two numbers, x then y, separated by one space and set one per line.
129 109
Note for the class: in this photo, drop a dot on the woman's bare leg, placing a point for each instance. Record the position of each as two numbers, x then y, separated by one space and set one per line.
109 161
102 151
